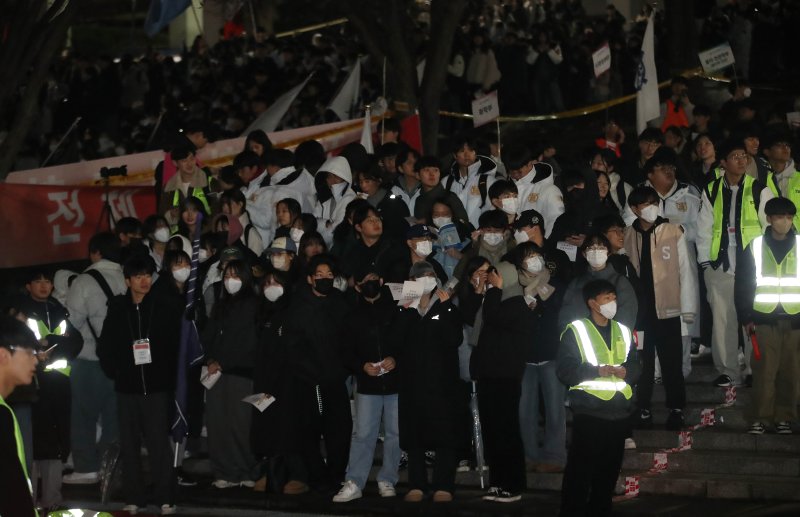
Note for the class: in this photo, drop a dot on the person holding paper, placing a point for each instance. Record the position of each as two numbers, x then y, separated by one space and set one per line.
373 346
491 240
138 349
419 239
230 338
529 227
431 399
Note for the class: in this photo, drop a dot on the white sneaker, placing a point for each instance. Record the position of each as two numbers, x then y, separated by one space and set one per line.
386 489
81 478
629 443
349 492
463 466
221 483
132 509
169 509
248 484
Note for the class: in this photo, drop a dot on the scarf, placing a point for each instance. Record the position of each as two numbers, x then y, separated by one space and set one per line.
534 284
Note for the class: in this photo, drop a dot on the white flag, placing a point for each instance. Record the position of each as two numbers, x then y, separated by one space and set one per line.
647 102
269 120
345 102
366 132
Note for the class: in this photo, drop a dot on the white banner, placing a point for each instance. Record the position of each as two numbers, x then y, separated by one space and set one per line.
717 58
646 84
485 109
602 60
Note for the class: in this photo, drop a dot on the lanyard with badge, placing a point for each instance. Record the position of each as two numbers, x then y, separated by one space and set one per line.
141 346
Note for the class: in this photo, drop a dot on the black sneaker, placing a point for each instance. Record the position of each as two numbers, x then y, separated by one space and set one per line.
430 458
403 460
507 497
723 381
491 494
645 420
674 420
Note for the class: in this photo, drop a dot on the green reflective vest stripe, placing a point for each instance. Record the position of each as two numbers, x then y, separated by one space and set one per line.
196 192
78 513
749 225
40 330
776 283
594 351
792 193
20 444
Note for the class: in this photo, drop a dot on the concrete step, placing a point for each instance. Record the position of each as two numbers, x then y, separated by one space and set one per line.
720 486
718 462
718 439
703 393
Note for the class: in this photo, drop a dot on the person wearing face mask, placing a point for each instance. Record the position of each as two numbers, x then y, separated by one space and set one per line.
272 437
156 228
282 256
373 346
419 239
597 360
595 251
503 194
491 240
535 181
334 191
430 398
529 227
453 236
316 340
582 201
657 249
770 313
230 340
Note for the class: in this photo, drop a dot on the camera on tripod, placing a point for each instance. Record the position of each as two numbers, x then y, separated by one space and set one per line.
108 172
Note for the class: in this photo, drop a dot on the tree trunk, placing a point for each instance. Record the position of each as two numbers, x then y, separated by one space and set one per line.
445 19
27 110
679 17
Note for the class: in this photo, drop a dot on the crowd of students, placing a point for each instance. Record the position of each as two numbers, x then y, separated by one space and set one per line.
532 285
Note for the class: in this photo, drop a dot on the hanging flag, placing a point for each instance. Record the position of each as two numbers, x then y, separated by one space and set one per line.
161 13
647 102
269 120
190 351
366 132
346 102
411 132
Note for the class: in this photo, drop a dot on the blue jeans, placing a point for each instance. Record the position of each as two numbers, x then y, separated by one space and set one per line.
553 450
93 399
369 409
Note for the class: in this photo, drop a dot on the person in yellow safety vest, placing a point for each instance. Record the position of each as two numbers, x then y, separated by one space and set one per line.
60 342
768 303
18 360
190 181
731 215
598 360
777 150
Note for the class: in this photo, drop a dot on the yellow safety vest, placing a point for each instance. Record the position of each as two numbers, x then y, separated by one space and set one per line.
20 444
195 192
776 283
74 512
792 194
41 331
749 225
594 351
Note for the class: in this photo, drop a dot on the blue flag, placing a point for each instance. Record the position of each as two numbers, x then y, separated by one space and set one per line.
190 351
162 12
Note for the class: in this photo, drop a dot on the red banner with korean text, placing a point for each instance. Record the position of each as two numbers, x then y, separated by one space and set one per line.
42 224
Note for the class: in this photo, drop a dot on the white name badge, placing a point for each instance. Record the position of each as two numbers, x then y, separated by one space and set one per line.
141 352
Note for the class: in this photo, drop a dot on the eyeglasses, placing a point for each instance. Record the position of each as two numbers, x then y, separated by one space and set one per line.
31 351
373 219
737 156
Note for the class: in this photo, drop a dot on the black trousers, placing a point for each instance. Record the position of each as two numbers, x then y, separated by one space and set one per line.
325 411
146 416
593 464
444 470
498 402
663 336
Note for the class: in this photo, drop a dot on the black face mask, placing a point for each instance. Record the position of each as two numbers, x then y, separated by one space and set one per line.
371 288
323 286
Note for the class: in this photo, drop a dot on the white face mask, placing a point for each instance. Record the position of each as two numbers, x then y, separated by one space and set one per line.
273 292
747 92
296 234
521 236
597 258
202 255
429 283
233 285
609 310
510 205
279 262
161 234
423 248
441 221
181 275
650 213
534 264
492 239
